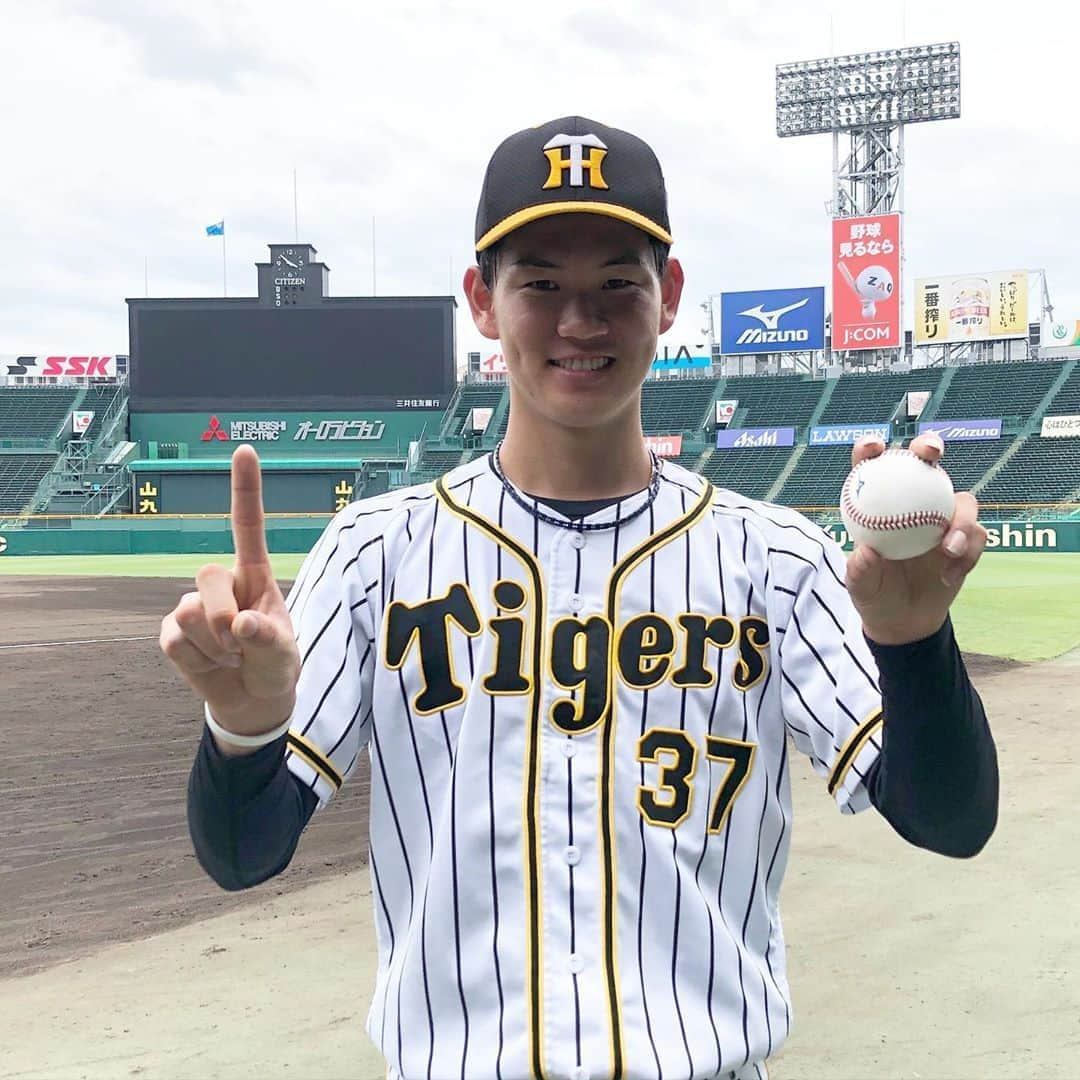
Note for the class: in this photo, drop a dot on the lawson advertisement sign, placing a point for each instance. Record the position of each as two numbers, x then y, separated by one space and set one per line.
772 320
754 438
961 430
847 434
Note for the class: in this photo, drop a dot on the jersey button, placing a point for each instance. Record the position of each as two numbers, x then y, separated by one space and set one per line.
568 748
577 963
573 855
577 540
580 1073
576 602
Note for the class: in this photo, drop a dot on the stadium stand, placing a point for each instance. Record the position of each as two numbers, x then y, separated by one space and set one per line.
749 472
97 400
1042 470
875 398
671 406
34 412
433 464
20 475
788 400
818 477
991 390
968 462
688 459
1066 402
470 396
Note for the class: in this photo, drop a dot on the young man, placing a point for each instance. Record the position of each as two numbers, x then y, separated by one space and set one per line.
576 670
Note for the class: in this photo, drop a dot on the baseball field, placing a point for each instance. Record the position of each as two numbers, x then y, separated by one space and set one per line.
119 958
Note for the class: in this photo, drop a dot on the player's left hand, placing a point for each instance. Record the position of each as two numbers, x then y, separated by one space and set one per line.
907 600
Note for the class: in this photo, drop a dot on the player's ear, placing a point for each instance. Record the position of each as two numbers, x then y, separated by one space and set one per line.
481 303
671 287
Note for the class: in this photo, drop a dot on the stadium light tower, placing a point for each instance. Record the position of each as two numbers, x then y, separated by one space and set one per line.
864 100
868 97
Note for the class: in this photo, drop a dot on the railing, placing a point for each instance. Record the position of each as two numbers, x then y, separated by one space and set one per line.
45 446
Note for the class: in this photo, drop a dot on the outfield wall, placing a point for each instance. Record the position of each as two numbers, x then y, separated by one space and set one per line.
296 534
160 536
1009 535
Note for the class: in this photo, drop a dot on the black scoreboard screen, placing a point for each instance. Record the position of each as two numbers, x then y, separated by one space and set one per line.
354 353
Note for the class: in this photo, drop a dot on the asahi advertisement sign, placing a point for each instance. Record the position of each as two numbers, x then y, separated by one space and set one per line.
754 438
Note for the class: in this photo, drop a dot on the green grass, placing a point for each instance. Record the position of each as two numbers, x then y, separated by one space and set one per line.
1022 606
183 566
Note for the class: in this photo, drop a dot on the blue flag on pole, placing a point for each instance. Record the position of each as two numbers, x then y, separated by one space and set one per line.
217 229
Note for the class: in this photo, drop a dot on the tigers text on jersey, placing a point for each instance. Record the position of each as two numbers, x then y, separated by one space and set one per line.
580 805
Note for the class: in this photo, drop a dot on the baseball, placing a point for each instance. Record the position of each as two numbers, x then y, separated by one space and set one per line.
897 504
874 283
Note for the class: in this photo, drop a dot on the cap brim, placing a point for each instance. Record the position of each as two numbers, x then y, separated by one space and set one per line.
543 210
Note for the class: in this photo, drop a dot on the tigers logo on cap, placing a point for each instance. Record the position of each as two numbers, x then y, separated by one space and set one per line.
577 164
571 165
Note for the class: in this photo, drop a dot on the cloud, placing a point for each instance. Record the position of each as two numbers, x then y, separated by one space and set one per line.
138 124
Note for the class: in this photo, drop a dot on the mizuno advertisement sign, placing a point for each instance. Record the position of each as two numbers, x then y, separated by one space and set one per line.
772 321
961 430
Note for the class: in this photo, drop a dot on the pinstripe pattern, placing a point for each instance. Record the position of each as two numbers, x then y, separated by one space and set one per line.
501 950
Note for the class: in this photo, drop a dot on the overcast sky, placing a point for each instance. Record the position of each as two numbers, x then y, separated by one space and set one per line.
130 126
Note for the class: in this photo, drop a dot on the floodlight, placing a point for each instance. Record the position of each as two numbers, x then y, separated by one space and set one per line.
842 93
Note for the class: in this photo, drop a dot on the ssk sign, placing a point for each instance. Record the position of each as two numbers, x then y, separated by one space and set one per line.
772 320
91 367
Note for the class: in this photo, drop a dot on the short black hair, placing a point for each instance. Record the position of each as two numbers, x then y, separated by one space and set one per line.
488 260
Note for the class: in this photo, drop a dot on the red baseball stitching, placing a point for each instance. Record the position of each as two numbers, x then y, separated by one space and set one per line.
889 522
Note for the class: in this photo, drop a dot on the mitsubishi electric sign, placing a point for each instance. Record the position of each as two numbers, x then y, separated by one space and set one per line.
772 320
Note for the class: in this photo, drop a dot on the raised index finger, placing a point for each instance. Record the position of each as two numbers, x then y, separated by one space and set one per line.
248 524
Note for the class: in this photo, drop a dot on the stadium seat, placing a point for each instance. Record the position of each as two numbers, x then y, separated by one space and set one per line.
1042 470
993 390
20 475
785 401
34 412
818 477
875 398
748 472
671 406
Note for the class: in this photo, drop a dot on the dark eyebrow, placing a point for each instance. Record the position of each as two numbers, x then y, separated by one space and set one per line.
535 260
626 259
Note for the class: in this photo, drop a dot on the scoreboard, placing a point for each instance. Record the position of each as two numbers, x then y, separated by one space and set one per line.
303 491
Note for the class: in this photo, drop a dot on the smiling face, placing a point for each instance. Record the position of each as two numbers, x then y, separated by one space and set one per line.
577 305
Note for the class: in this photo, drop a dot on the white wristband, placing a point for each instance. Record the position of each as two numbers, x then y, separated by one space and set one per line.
250 742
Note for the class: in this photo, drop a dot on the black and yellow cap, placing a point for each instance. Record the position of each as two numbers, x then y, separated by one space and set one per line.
571 166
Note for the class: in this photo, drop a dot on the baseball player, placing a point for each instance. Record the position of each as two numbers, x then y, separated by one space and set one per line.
577 671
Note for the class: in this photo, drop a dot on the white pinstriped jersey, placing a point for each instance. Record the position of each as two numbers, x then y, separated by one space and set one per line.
580 805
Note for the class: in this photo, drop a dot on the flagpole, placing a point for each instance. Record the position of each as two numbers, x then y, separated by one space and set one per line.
146 273
295 210
224 271
373 291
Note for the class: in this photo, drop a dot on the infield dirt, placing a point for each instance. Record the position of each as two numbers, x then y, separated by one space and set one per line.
902 964
99 740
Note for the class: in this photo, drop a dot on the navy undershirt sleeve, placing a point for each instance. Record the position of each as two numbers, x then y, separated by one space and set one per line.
936 779
245 814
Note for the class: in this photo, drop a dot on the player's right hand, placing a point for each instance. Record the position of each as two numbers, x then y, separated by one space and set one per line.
232 639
